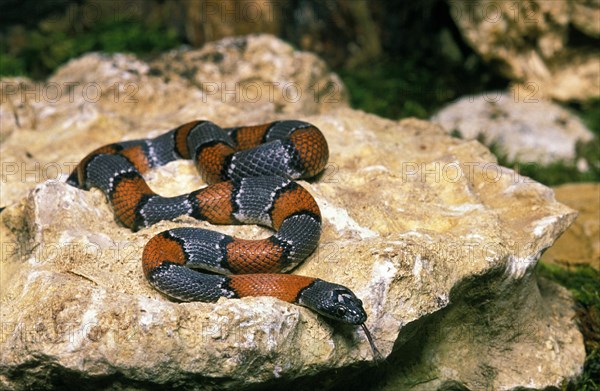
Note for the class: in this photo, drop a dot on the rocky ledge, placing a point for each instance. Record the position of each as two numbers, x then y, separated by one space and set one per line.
437 239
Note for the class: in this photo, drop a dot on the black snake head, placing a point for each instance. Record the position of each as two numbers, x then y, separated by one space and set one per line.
333 301
337 302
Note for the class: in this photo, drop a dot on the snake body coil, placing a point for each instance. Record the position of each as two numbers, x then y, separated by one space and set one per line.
250 172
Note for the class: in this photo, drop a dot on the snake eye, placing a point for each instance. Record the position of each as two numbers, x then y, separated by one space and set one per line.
340 311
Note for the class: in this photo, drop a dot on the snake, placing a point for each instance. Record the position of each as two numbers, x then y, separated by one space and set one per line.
251 174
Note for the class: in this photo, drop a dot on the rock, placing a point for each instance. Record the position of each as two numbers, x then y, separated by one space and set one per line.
533 131
548 48
580 244
475 350
427 229
14 112
257 75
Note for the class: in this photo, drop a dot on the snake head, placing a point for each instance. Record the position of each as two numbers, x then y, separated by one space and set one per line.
333 301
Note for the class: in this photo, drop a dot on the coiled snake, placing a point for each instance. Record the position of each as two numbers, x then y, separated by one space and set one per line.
250 172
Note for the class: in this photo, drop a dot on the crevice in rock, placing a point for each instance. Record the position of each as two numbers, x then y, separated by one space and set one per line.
577 39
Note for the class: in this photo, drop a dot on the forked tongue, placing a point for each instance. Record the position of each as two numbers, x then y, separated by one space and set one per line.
377 356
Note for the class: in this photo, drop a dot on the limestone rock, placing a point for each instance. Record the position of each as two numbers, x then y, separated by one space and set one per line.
491 342
256 75
426 229
527 131
257 72
580 244
14 112
548 48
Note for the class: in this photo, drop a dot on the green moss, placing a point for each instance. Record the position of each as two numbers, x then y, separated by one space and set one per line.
590 114
386 90
413 86
46 49
582 281
135 38
11 65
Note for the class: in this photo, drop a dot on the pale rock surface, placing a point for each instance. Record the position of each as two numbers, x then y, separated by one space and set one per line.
427 229
530 131
548 48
